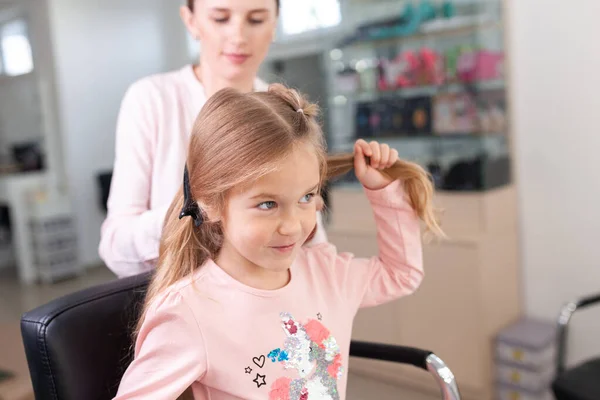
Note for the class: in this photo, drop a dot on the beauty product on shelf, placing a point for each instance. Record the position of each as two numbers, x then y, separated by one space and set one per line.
448 10
394 121
363 120
491 109
368 73
480 65
454 113
450 65
418 114
431 67
399 72
378 109
408 23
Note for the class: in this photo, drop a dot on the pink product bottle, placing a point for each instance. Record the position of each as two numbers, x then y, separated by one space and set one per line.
432 67
465 113
399 72
455 113
480 65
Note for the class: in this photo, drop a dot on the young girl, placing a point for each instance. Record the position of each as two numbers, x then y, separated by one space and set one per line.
237 307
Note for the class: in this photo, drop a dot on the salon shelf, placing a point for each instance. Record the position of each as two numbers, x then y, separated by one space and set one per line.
429 31
438 136
471 139
418 91
471 286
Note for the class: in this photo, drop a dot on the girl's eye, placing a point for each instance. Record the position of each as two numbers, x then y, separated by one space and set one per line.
221 20
267 205
256 21
307 198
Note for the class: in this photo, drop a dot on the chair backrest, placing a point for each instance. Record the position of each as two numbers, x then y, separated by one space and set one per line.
104 181
79 346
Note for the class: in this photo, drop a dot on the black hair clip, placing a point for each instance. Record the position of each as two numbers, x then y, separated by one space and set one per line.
190 207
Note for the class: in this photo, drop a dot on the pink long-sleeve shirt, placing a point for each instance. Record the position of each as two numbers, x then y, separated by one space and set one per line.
226 340
153 131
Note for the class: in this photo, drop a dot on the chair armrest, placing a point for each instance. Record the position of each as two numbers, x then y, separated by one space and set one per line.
420 358
564 318
80 343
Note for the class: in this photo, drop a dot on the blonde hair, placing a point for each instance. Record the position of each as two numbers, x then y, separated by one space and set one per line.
237 138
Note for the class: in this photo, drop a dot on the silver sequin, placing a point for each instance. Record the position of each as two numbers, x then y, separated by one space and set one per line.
311 361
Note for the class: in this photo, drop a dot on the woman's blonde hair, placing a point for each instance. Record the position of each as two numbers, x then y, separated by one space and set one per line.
237 138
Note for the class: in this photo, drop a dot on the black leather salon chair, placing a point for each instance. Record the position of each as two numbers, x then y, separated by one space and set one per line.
582 381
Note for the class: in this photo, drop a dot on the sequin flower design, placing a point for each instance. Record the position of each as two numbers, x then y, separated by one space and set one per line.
314 354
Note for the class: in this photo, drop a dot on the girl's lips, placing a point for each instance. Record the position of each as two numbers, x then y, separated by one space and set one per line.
284 249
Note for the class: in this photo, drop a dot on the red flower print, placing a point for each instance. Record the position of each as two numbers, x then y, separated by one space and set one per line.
316 332
280 390
335 366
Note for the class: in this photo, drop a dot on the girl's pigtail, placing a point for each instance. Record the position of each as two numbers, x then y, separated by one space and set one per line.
416 181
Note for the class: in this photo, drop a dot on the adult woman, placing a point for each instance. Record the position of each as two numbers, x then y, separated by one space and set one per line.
156 118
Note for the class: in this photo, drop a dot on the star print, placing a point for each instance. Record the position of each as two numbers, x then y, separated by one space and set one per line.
319 316
248 370
260 382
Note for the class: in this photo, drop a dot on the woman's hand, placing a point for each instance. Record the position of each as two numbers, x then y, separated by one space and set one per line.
371 175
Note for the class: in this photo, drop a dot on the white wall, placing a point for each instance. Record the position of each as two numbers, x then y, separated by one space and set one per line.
176 41
555 88
100 48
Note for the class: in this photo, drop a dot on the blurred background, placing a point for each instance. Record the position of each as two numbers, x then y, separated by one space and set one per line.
497 99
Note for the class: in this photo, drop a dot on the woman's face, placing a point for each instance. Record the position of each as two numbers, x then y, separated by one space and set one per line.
235 34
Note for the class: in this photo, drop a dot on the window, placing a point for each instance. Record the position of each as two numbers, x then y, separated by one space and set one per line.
299 16
15 50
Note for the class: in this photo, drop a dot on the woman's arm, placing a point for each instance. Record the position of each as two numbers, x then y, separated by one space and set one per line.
130 234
